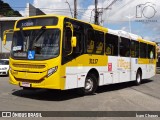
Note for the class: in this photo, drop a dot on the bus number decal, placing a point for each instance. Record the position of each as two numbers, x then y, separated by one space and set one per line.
93 61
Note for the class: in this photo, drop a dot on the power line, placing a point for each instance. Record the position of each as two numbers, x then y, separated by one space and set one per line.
108 7
79 11
114 1
119 9
69 8
48 8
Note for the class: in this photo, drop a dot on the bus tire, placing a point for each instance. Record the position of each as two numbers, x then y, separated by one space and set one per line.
90 85
138 77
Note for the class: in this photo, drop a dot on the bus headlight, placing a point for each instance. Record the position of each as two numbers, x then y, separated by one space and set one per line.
52 70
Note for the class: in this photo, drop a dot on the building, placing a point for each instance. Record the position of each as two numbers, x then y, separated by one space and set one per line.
5 24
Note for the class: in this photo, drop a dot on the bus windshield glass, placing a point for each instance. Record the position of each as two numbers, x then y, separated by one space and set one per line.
35 44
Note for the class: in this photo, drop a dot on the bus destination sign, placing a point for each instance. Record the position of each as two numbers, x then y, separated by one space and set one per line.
31 22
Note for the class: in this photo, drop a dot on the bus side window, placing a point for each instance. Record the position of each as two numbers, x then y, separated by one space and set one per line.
125 47
109 49
143 50
134 49
79 34
151 52
90 41
111 45
67 41
154 52
99 38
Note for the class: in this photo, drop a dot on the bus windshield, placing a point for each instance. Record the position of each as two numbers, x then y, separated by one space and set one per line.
35 44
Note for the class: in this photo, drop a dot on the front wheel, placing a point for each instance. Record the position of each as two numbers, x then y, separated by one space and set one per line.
90 85
138 78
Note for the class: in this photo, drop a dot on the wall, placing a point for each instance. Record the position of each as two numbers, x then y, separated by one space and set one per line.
5 25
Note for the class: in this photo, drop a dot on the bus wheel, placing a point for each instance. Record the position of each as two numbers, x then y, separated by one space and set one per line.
90 85
138 78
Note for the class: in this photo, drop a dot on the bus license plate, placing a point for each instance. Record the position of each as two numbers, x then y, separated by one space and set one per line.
25 84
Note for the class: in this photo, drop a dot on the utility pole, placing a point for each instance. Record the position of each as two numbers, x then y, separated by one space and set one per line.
96 13
75 9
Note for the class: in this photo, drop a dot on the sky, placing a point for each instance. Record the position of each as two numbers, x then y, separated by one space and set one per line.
141 17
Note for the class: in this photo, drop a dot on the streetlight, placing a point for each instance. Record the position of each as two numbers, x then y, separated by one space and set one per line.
129 17
69 8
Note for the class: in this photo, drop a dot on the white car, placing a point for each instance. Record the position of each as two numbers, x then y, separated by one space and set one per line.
4 66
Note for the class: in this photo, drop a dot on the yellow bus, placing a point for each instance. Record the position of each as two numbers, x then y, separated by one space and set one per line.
58 52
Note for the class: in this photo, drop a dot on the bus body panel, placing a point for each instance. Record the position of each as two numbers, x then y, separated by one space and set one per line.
148 67
112 69
34 76
79 68
134 68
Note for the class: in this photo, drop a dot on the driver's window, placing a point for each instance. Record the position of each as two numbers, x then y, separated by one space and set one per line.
67 40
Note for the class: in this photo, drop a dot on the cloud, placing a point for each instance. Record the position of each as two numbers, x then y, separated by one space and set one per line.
60 7
88 15
121 9
136 9
25 12
117 14
124 28
53 7
147 37
22 12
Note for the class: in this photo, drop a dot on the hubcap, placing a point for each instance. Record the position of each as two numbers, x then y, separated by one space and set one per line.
138 78
88 85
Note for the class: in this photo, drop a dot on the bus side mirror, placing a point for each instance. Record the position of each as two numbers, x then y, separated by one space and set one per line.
4 38
74 42
10 31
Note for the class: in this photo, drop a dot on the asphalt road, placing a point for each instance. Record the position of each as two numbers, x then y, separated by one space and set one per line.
118 97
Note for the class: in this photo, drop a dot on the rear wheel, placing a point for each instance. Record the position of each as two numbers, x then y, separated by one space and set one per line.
138 78
90 85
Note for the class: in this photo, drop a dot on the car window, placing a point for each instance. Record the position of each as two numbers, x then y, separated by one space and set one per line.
4 62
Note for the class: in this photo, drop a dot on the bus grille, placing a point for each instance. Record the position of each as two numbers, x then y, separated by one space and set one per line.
29 66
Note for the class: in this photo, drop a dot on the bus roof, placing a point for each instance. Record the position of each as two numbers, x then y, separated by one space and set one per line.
130 35
124 34
146 41
101 28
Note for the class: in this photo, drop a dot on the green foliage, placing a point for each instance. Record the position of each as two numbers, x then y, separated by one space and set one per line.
6 10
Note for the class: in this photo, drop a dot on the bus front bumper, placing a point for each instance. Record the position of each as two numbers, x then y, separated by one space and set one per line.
51 82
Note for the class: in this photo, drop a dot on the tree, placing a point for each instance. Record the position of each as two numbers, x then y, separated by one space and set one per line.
6 10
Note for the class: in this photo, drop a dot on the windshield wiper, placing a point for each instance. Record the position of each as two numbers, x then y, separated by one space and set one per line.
38 35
